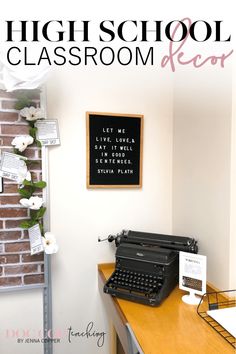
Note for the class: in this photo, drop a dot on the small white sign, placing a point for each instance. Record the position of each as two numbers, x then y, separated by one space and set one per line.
12 166
35 237
48 132
192 275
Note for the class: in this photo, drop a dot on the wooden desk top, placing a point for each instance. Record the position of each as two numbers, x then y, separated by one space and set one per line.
173 327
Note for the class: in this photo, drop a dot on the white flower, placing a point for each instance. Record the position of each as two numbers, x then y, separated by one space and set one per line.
28 176
49 243
23 173
22 177
34 203
32 113
21 142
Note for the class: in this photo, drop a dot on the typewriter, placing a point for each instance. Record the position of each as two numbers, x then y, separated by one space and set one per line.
147 265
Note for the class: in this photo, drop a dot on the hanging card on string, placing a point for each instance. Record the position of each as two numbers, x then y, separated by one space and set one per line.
36 244
48 132
12 166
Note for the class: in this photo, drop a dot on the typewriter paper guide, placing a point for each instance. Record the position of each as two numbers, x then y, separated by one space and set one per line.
226 318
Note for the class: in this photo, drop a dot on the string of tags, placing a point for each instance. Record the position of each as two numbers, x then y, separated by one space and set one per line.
13 167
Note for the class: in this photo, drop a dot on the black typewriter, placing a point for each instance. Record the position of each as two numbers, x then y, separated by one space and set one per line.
147 266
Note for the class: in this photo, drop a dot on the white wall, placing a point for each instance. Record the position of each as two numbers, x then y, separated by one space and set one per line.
79 215
232 283
202 165
21 311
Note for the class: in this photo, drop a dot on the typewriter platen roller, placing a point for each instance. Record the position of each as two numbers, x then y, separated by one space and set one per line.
177 243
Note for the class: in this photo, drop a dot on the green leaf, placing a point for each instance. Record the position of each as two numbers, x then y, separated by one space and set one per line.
33 214
37 214
18 152
32 131
26 224
38 143
25 98
32 162
31 123
41 228
40 184
34 222
27 183
28 93
41 212
22 103
25 193
27 162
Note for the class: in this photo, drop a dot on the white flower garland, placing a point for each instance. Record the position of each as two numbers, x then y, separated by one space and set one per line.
28 187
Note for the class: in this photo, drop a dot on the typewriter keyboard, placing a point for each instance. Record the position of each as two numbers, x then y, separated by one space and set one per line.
135 281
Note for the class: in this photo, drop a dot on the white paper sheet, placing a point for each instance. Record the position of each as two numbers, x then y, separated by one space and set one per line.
226 318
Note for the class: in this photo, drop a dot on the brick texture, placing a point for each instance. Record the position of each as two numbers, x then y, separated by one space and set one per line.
13 212
17 266
17 247
33 279
4 94
19 269
14 94
35 258
9 187
13 224
8 117
10 199
10 281
14 129
10 235
8 104
9 259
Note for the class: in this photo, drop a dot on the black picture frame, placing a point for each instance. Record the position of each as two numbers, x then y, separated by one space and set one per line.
114 150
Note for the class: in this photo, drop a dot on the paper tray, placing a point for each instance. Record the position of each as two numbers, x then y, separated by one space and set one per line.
213 301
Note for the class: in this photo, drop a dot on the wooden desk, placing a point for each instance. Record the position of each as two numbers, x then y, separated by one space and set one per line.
174 327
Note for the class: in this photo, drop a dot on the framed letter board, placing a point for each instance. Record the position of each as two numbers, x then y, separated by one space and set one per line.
114 150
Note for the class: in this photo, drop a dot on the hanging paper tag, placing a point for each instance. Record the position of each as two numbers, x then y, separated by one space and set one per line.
12 166
48 132
35 237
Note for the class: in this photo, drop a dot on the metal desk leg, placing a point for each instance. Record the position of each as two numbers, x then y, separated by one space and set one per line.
134 347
